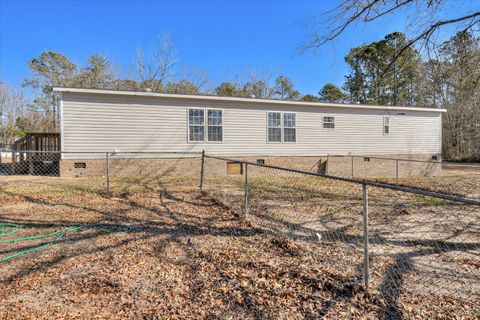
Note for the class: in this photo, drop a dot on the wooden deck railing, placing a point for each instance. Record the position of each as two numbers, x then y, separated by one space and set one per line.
38 141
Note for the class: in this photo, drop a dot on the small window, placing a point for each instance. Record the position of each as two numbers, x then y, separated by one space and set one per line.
435 158
196 125
366 159
260 161
329 122
80 165
386 125
289 127
274 127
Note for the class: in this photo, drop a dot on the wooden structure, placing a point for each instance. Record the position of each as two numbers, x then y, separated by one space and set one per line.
36 148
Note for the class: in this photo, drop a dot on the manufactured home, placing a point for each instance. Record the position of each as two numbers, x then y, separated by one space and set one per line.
294 133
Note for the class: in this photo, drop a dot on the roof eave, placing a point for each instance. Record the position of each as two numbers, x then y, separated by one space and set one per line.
62 90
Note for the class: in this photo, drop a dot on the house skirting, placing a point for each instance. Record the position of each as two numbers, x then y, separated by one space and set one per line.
365 166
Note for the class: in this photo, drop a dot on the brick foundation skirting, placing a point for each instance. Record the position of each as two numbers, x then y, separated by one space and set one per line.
363 166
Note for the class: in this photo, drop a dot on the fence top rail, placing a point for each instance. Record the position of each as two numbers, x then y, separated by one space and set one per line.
359 181
383 158
405 160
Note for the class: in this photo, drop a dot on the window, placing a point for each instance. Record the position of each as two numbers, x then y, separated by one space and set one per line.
274 127
215 130
329 122
289 130
435 158
260 161
197 126
386 125
366 159
282 127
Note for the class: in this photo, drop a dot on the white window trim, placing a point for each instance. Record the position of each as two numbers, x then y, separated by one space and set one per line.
383 126
205 125
282 127
334 122
268 127
188 125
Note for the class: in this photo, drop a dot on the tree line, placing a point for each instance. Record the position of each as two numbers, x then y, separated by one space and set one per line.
378 75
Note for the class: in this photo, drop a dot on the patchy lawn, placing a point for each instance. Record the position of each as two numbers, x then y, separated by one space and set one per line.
299 255
455 180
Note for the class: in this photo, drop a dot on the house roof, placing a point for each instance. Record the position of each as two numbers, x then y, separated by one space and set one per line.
253 101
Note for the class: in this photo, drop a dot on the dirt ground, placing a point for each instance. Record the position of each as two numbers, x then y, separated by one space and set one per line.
188 255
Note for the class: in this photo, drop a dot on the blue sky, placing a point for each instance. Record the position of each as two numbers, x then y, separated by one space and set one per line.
225 38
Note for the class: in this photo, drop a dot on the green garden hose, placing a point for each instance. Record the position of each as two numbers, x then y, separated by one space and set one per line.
7 229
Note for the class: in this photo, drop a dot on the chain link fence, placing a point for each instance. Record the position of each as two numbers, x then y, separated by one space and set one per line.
423 249
407 246
404 246
392 170
461 179
108 173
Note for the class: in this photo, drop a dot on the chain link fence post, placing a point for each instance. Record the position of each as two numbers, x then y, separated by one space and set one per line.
108 174
366 258
326 165
30 157
352 167
246 189
396 173
202 171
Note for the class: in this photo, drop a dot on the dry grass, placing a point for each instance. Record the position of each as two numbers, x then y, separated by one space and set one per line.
189 256
461 181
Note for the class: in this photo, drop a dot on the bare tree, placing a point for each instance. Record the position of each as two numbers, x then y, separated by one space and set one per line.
199 78
12 107
157 67
425 19
260 84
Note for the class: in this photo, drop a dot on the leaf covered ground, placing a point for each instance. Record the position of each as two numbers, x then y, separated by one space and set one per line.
187 256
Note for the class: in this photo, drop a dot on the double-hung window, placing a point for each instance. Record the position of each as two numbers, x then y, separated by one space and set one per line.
205 125
196 125
329 122
214 123
289 127
274 127
386 125
281 127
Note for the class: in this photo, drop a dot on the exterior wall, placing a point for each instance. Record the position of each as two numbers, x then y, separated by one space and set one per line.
97 122
190 167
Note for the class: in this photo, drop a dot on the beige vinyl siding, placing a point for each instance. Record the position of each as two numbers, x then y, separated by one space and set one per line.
104 123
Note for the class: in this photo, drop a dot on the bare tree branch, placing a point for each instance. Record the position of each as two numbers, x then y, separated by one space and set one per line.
156 68
428 33
340 29
349 12
381 14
